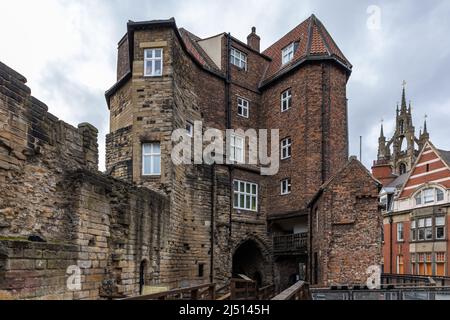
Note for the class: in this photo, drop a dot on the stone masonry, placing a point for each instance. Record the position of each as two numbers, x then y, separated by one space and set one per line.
68 231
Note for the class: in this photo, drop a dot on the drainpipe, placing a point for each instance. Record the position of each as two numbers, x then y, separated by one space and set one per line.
228 117
213 215
391 250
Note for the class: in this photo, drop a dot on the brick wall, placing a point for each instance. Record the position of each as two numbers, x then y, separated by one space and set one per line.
347 228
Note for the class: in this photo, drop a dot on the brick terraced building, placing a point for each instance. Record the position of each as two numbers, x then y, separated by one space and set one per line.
147 224
416 217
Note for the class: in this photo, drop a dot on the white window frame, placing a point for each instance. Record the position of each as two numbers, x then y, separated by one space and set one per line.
152 155
152 59
400 232
287 54
419 197
286 187
244 104
286 97
238 193
440 225
286 146
238 58
234 146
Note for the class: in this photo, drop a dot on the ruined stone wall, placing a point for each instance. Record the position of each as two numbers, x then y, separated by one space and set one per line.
57 211
119 154
346 228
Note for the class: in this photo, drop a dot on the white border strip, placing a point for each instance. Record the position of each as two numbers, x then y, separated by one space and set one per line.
427 173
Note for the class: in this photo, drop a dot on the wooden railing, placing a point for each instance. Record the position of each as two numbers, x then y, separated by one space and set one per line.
293 243
239 289
243 290
203 292
299 291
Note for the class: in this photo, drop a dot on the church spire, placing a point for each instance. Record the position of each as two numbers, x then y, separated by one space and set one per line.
404 106
425 130
382 130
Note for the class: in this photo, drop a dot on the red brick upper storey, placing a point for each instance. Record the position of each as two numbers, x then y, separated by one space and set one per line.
312 39
432 167
314 42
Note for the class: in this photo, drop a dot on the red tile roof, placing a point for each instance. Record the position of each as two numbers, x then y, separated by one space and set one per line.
314 41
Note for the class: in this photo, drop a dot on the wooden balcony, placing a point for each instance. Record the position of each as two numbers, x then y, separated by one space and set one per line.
292 244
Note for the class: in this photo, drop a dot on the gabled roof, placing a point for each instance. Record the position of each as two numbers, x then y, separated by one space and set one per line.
191 42
445 155
314 43
352 161
417 177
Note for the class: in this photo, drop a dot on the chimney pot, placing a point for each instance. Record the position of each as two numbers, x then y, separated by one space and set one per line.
253 40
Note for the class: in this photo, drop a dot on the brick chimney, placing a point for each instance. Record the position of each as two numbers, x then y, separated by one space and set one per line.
253 40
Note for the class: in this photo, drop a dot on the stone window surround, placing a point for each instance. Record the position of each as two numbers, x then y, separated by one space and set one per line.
239 193
152 154
153 59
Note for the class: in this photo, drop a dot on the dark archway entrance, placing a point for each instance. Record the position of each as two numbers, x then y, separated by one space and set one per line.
248 260
142 276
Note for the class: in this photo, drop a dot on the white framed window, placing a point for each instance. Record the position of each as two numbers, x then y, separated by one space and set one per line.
400 235
237 148
286 187
153 62
286 100
440 228
238 58
428 196
286 148
439 195
243 107
245 195
288 53
413 231
151 159
190 129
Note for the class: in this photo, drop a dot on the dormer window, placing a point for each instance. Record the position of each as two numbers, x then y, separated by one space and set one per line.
288 53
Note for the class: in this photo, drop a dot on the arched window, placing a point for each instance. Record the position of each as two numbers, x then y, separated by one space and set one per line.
402 168
429 195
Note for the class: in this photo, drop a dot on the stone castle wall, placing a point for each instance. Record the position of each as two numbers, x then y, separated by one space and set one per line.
58 212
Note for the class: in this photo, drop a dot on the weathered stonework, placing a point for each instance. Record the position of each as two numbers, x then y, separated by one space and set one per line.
345 224
58 211
128 232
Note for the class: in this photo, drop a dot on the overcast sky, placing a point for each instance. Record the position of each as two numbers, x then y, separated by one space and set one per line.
67 51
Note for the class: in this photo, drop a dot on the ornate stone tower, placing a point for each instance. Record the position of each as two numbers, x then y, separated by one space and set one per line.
401 151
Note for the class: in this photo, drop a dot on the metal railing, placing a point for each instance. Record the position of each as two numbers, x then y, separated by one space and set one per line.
293 243
299 291
415 293
402 280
